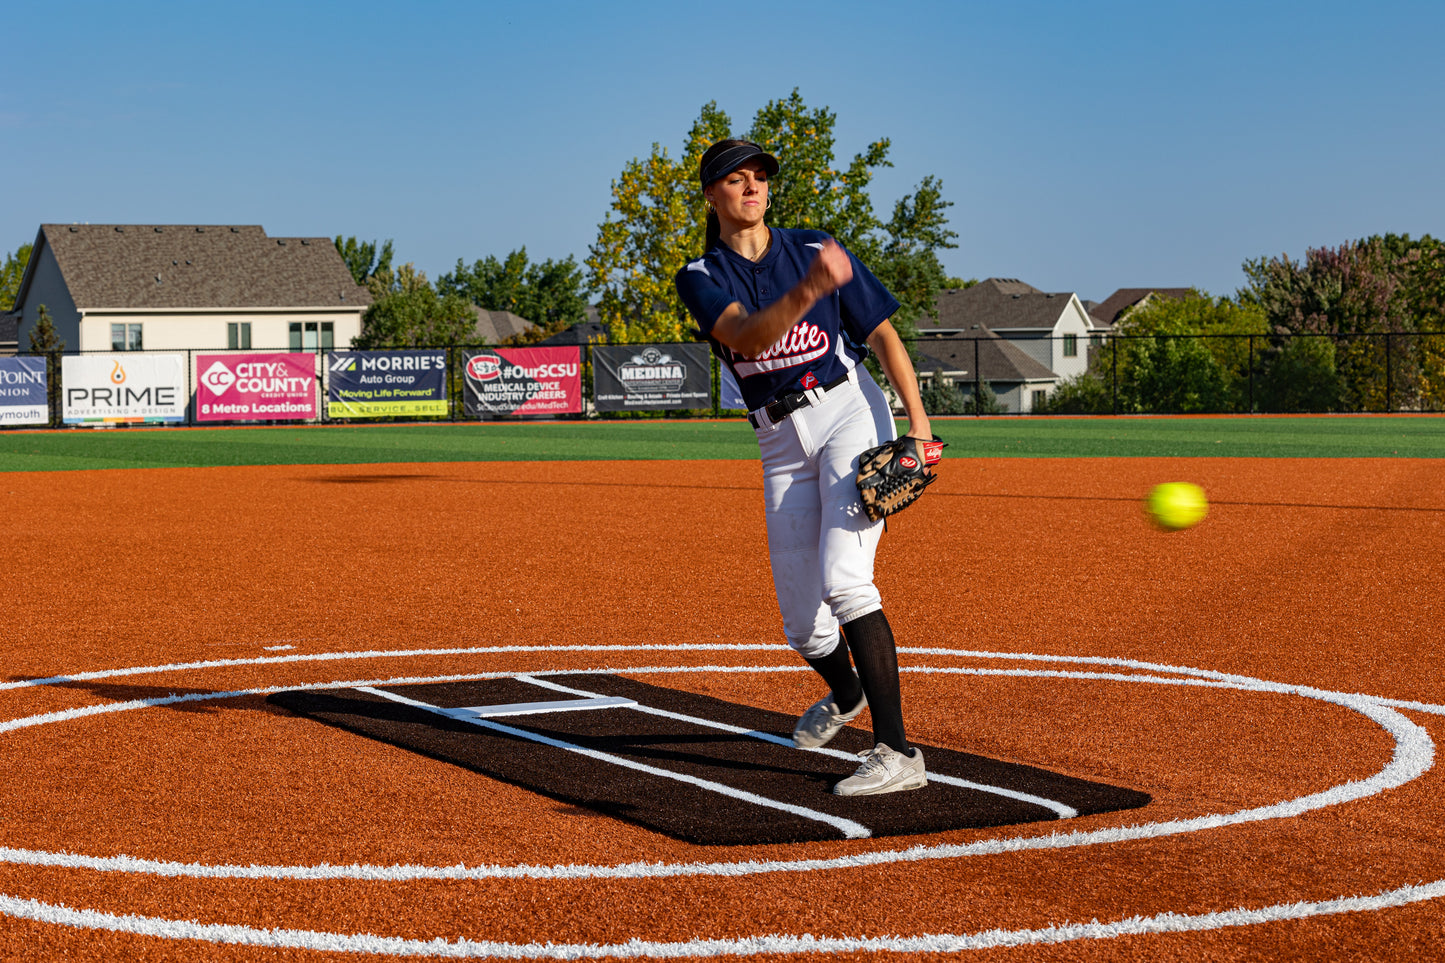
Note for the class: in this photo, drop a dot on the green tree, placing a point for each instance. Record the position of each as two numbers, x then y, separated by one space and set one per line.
409 313
1086 393
11 274
363 259
655 223
656 219
549 294
1376 300
46 341
942 397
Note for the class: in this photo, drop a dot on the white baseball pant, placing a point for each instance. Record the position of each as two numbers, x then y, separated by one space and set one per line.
820 543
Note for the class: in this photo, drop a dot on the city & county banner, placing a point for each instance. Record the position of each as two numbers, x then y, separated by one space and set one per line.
642 377
523 381
119 389
23 397
271 386
385 384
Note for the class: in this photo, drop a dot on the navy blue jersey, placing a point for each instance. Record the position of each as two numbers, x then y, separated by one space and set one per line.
822 346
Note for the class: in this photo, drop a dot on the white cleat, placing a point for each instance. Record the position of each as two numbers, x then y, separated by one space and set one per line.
822 721
884 770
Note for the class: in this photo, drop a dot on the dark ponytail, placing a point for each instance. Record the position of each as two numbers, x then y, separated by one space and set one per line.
714 231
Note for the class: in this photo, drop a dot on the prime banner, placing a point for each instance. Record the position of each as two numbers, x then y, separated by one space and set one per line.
256 387
641 377
385 384
23 399
122 389
523 381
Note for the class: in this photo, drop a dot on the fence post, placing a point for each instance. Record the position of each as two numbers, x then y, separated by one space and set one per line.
1114 374
1251 374
1389 379
977 383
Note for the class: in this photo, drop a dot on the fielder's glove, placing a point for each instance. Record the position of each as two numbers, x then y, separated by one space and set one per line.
893 475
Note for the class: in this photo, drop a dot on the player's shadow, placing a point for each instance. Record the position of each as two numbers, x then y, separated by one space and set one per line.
398 725
187 699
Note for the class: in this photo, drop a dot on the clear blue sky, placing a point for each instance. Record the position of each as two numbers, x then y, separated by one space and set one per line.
1086 146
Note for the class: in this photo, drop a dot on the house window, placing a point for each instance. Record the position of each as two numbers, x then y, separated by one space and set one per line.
311 335
238 334
1040 399
1071 346
125 337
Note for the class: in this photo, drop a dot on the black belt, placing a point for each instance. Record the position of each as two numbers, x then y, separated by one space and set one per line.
787 404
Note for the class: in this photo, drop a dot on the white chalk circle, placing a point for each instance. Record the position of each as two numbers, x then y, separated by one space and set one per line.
1413 755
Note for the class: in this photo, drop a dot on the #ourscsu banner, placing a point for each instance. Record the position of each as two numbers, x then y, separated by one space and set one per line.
642 377
256 387
385 384
523 381
23 397
115 389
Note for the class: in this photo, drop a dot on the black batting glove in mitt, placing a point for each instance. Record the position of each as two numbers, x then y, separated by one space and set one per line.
893 475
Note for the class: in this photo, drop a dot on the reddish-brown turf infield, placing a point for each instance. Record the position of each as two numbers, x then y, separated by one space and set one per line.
256 834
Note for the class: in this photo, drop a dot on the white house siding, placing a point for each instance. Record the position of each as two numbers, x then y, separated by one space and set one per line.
1075 321
181 330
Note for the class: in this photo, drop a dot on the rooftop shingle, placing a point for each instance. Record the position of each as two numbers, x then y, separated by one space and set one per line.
170 266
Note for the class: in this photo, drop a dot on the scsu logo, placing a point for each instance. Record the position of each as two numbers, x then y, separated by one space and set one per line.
484 367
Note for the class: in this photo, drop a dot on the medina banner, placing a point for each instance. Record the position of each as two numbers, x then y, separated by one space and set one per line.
123 389
386 384
523 381
23 396
256 387
651 377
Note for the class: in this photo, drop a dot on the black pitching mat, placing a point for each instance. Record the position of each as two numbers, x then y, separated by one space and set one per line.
683 775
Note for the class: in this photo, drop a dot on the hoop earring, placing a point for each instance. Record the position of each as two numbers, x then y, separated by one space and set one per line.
769 205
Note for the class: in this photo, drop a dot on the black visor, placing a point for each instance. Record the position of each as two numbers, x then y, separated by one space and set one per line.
735 157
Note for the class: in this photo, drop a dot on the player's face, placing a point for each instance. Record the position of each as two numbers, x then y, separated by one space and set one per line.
741 197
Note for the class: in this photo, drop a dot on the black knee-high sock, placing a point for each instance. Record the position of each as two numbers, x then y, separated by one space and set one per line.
837 671
871 640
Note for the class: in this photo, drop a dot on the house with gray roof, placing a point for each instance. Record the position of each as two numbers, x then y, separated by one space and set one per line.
1107 312
9 332
1053 329
177 286
1018 381
495 327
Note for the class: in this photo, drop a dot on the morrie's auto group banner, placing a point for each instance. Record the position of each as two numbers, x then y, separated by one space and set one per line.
119 389
643 377
385 384
523 381
23 397
256 387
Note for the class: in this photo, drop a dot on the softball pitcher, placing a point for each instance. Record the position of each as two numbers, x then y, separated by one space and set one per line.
790 312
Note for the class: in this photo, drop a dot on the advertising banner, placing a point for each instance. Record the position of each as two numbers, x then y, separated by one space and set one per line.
651 377
122 389
385 384
256 387
523 381
23 392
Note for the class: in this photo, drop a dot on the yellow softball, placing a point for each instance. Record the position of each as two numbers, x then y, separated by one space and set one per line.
1177 505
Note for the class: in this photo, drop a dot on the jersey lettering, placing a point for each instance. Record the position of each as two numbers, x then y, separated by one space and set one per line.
802 343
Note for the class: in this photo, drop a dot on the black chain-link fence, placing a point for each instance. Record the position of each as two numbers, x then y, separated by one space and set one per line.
988 374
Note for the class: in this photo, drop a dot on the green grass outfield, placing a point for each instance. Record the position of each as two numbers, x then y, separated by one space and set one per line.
1345 436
